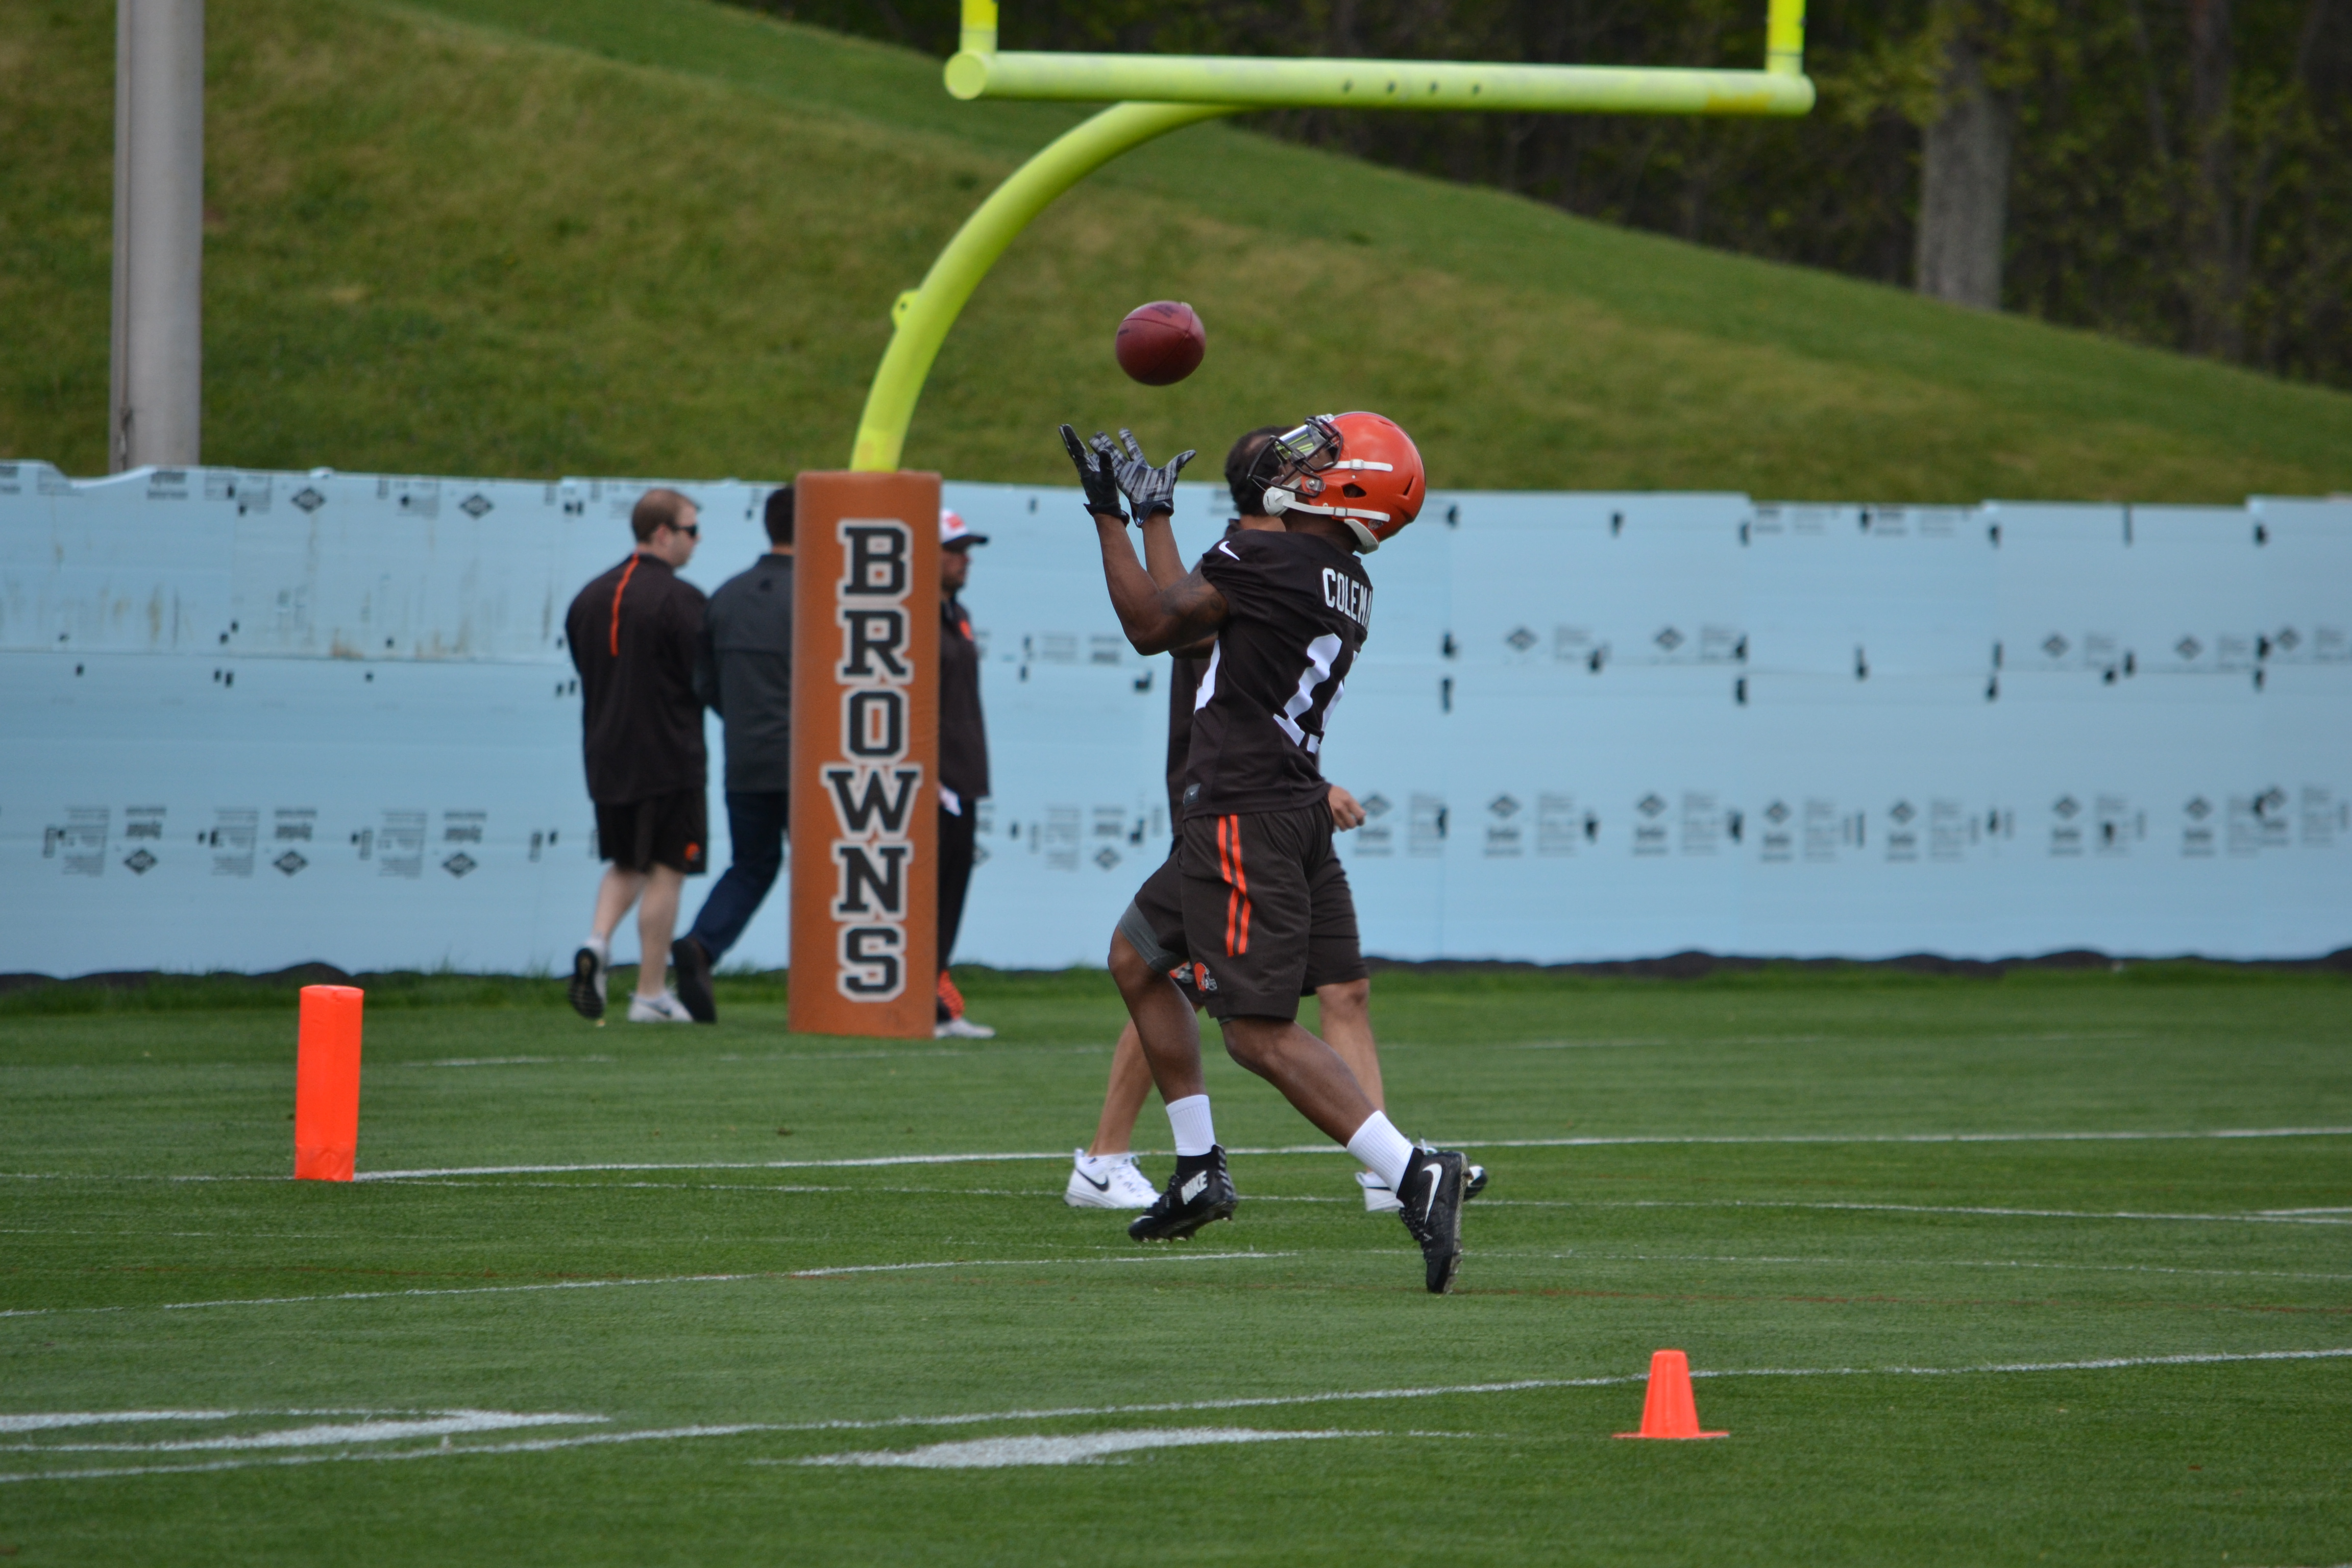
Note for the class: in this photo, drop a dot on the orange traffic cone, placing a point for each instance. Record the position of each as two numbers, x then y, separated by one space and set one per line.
327 1084
1670 1411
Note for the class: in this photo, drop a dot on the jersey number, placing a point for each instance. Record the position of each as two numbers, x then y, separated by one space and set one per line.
1302 718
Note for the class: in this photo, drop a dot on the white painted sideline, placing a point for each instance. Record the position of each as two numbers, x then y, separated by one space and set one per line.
878 1160
668 1434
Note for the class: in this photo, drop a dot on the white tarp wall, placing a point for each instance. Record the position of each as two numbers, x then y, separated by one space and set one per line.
257 718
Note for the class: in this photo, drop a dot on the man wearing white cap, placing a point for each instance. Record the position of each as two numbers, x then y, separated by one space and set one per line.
963 762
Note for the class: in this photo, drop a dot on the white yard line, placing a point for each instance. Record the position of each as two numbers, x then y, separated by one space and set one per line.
442 1423
999 1156
1920 1263
1584 1142
1080 1449
2257 1218
2106 1364
492 1062
1154 1257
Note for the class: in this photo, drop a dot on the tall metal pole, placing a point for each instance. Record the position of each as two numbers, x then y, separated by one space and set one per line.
156 401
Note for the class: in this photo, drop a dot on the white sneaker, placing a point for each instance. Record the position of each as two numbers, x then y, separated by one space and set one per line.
1378 1198
1108 1182
961 1029
665 1008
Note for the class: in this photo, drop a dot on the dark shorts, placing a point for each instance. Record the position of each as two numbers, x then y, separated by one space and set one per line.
1269 916
672 830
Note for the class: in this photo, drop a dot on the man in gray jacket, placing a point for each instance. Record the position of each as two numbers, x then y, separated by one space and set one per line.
745 674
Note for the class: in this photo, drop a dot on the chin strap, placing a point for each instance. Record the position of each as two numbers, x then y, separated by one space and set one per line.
1279 501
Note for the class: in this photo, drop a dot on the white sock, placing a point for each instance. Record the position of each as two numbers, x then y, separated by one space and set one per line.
1195 1133
1381 1148
602 946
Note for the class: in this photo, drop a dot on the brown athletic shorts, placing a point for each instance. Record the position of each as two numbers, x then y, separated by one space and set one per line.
1268 915
672 830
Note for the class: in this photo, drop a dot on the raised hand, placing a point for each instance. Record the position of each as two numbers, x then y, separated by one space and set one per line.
1097 473
1148 489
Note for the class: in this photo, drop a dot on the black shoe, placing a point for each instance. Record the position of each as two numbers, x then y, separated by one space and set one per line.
693 966
1474 1181
1190 1201
1431 1195
587 988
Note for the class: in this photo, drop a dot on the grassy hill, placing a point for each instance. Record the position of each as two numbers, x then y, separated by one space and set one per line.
540 237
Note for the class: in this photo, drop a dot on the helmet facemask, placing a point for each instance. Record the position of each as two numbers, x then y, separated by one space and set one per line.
1308 460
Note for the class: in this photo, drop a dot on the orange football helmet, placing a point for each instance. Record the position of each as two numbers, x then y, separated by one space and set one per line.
1361 468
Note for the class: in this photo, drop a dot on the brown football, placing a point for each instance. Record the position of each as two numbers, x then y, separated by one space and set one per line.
1160 343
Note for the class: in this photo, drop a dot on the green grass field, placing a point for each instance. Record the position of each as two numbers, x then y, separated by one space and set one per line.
528 237
2105 1333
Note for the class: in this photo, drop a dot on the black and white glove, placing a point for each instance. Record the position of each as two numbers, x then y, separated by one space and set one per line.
1097 473
1148 489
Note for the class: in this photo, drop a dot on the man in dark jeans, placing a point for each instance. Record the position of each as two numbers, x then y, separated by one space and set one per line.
745 674
963 763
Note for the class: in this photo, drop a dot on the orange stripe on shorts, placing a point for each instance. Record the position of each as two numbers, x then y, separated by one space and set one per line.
1237 901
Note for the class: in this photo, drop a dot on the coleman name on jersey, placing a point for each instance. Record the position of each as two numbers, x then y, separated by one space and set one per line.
1349 597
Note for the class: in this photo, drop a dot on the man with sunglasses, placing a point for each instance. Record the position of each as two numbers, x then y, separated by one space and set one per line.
634 634
1287 611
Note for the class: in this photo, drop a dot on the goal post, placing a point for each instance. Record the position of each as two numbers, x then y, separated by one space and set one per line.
1151 94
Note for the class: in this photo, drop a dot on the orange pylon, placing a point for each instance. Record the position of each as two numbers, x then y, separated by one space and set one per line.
327 1084
1670 1411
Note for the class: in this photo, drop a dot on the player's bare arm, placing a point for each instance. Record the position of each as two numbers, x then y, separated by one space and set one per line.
1346 811
1157 619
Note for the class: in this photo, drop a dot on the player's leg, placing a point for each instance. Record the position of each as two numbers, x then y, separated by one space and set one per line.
617 837
1345 1026
672 830
755 832
657 919
1259 880
959 837
1166 1031
1147 944
1335 969
1345 1022
1103 1174
1123 1095
1248 917
1200 1191
615 896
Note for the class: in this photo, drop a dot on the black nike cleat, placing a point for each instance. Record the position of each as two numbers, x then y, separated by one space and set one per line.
587 988
1431 1195
1474 1181
693 966
1189 1203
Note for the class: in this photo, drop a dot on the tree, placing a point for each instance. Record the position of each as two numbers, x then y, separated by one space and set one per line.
1965 166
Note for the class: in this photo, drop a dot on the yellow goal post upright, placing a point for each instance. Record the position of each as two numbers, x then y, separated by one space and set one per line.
1151 94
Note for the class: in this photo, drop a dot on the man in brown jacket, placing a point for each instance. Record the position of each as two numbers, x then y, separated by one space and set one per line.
634 634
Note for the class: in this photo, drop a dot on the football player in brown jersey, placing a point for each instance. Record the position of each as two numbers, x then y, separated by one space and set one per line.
1103 1174
1260 887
